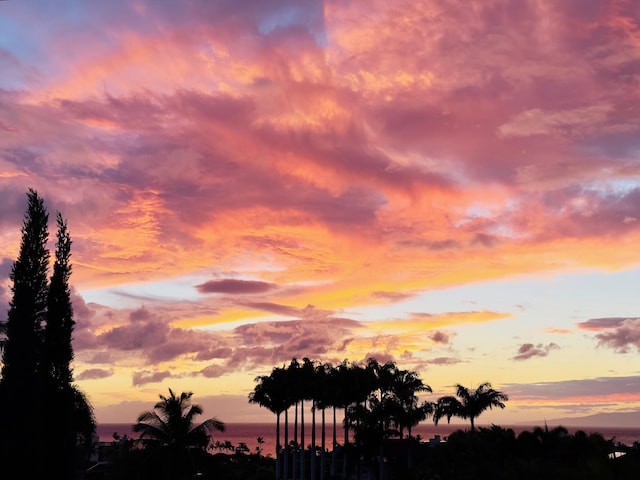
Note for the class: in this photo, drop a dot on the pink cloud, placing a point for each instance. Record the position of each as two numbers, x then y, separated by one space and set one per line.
148 332
529 350
135 336
214 371
94 374
392 296
144 377
618 333
234 286
439 336
443 361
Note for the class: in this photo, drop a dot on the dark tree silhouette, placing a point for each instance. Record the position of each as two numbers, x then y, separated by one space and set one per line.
27 308
406 386
171 423
380 401
270 393
323 401
309 378
37 378
66 406
57 349
170 432
20 389
390 406
469 404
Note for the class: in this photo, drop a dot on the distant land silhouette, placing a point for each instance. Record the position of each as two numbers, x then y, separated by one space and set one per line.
613 420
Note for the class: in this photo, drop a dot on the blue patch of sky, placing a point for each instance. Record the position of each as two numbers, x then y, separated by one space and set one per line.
308 14
28 30
620 186
20 44
473 212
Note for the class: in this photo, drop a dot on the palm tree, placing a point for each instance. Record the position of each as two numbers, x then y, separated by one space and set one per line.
469 404
84 420
295 388
169 429
409 412
271 394
406 385
353 384
310 382
324 389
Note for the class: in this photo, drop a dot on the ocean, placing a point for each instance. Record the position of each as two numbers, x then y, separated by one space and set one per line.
248 433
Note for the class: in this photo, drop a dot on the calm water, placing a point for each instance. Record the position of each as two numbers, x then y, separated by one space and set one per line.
249 432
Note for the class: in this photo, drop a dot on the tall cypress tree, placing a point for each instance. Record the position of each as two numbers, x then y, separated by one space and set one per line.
55 366
36 389
20 388
58 352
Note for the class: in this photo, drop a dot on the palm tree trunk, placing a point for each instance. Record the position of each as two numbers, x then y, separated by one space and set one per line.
335 444
295 443
286 444
346 441
302 442
278 451
313 440
323 453
410 450
473 424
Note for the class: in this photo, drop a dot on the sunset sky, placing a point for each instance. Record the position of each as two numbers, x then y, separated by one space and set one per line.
453 185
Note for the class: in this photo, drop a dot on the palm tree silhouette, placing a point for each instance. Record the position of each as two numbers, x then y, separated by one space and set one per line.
270 392
295 387
324 389
469 404
353 385
310 379
169 430
406 387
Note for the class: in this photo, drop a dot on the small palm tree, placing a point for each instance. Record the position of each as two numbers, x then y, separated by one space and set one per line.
170 428
469 404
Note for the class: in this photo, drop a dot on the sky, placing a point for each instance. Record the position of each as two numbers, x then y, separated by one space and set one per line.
451 185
